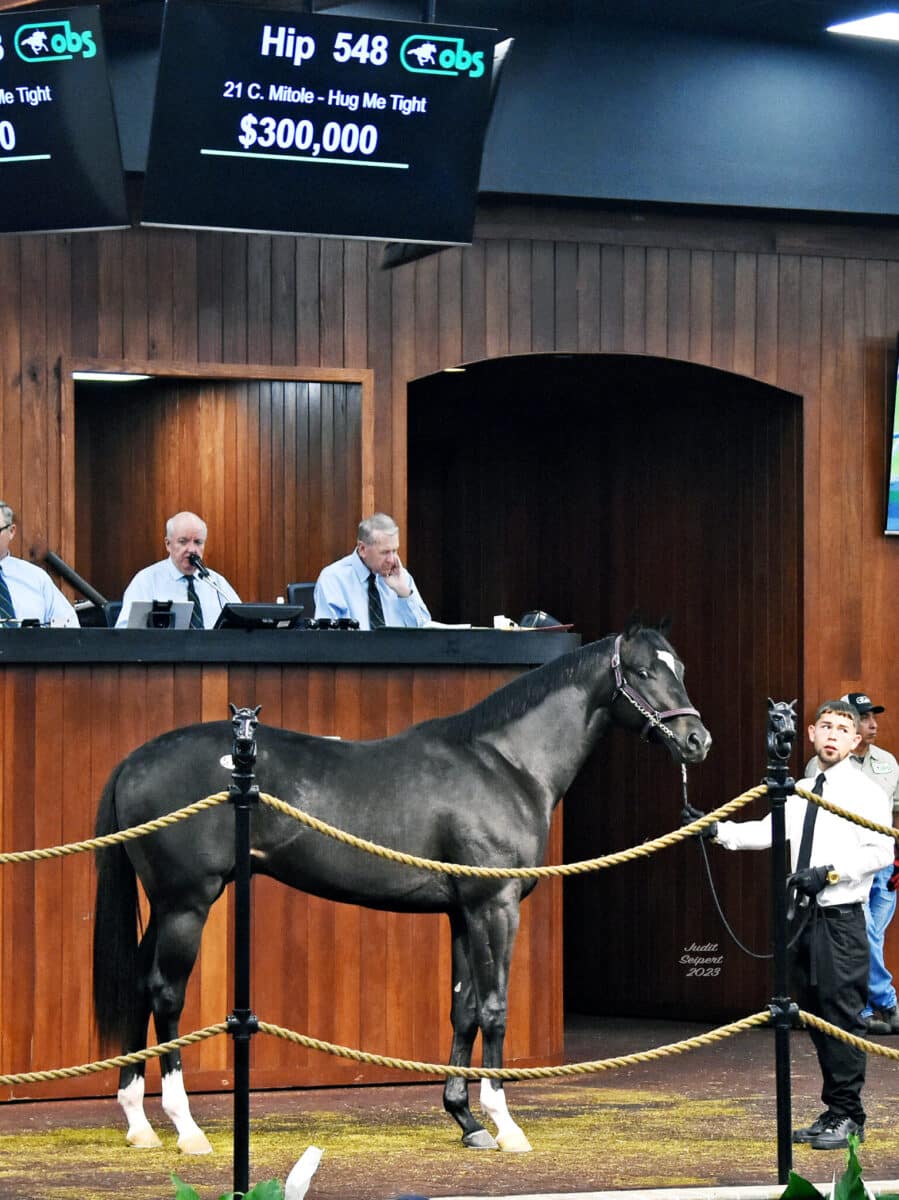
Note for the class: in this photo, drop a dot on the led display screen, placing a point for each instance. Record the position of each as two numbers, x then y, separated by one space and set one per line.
892 522
60 166
284 122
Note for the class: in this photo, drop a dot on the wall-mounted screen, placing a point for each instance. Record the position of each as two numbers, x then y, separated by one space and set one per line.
892 525
60 166
283 122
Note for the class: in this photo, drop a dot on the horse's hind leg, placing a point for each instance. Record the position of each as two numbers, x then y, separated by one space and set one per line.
131 1078
177 944
465 1029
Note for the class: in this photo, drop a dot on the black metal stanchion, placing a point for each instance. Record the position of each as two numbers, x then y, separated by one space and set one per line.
242 1022
781 731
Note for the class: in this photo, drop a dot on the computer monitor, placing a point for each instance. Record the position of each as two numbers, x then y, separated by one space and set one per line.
259 616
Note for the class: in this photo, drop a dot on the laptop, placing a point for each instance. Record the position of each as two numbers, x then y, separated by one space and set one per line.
141 609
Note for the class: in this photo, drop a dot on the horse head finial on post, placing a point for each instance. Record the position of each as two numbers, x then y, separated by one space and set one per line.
781 729
243 723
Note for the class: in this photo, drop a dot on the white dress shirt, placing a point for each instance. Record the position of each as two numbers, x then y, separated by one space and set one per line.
855 853
35 595
342 591
163 581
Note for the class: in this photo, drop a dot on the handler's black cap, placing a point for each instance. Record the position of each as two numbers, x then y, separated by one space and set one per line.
862 703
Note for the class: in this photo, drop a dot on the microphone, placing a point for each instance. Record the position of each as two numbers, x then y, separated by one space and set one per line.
196 561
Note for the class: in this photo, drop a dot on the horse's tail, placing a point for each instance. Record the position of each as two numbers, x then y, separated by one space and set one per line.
115 928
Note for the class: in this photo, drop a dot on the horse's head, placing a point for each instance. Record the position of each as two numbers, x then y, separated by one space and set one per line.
243 723
650 695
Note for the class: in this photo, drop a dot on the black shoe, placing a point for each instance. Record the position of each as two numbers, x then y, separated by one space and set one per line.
879 1023
835 1134
890 1018
800 1136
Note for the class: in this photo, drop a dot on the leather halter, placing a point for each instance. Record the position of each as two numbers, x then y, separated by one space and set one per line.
654 718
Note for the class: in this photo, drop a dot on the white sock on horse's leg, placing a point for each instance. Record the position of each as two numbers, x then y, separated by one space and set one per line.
140 1132
191 1138
508 1135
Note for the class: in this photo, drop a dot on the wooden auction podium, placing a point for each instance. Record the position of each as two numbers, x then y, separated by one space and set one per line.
74 702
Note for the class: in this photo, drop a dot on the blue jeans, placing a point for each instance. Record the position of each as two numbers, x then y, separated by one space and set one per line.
879 910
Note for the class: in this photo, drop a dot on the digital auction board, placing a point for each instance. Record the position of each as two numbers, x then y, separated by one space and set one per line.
60 166
278 121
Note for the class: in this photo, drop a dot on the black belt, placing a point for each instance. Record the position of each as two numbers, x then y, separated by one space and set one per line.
833 911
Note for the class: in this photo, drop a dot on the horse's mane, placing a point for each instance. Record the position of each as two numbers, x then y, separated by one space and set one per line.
521 694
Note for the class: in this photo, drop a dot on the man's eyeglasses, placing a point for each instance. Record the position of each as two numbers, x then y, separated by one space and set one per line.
3 528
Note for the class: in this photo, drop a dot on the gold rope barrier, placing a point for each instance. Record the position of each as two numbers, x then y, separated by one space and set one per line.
111 839
566 1070
562 870
120 1060
577 868
851 1039
887 830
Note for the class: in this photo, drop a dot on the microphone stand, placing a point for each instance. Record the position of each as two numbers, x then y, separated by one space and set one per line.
204 573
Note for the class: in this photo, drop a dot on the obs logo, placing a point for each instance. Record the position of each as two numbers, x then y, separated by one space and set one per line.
52 41
425 55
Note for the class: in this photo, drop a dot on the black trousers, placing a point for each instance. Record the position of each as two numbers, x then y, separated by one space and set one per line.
829 978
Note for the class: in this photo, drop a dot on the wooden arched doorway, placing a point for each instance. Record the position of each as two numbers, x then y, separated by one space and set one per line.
590 486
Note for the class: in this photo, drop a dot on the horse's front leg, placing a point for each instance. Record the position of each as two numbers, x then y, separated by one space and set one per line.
464 1015
493 929
177 945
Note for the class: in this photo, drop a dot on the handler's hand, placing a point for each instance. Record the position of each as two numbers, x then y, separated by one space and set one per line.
809 882
397 579
689 814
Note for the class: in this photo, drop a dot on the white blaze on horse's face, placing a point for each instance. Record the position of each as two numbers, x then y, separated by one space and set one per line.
669 660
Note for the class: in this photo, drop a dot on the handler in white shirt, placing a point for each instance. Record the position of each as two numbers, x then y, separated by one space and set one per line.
176 577
829 951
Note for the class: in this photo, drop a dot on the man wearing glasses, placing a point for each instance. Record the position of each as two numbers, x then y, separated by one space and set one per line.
27 593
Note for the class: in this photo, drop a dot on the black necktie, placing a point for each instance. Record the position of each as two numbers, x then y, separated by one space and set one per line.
196 617
7 610
375 611
808 832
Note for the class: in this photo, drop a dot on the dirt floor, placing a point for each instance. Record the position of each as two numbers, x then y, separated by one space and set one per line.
697 1119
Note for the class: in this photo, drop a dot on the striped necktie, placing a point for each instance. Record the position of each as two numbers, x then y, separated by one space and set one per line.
375 611
196 617
7 609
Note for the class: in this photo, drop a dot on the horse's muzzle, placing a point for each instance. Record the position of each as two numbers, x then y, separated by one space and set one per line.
691 741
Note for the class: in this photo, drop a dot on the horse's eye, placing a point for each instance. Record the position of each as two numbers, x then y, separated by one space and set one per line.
643 673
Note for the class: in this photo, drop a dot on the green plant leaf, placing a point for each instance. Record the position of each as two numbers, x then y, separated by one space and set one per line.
799 1188
183 1191
271 1189
849 1186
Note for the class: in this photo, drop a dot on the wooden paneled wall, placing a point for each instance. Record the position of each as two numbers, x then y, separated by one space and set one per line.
811 307
273 466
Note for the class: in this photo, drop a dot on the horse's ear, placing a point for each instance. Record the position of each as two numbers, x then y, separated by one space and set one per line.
257 710
664 626
634 624
233 709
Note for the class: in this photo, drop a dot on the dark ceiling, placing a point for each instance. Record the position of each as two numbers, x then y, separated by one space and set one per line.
777 20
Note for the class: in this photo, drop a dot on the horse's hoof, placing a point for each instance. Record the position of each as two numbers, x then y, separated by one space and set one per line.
143 1138
481 1139
513 1142
194 1143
